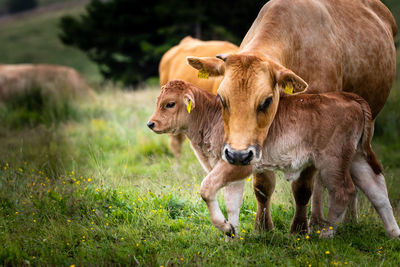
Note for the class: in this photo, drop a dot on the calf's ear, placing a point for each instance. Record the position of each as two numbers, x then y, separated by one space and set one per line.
188 100
210 65
289 82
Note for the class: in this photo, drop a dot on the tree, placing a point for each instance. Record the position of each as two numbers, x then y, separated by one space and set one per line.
127 38
15 6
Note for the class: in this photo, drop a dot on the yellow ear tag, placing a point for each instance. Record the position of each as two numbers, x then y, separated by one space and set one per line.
202 74
289 89
189 106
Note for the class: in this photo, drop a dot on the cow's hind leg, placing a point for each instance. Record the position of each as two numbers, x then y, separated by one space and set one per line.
263 186
340 191
352 214
175 143
317 214
302 189
374 187
233 202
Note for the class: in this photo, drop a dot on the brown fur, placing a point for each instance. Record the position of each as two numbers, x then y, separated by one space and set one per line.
309 132
172 66
343 45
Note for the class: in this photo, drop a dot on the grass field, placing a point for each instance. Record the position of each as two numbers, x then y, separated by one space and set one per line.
93 186
84 182
34 39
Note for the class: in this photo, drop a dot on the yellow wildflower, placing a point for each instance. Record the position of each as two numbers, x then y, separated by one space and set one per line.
327 252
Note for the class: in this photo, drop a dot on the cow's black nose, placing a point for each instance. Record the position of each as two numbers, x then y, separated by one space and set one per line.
239 157
150 124
229 156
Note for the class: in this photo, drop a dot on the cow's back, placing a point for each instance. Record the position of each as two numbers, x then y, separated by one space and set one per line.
333 45
173 64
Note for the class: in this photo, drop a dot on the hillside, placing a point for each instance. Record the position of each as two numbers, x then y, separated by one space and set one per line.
31 37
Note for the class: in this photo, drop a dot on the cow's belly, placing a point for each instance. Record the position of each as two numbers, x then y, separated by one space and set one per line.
290 159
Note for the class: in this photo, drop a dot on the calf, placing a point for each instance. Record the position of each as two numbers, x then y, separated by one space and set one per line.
172 67
329 133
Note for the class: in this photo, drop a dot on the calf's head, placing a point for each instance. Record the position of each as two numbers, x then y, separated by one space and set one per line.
174 104
249 94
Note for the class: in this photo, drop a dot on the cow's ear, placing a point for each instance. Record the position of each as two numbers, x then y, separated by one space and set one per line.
188 100
289 82
210 66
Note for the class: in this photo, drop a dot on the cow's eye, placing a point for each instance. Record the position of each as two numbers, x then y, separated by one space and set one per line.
222 101
263 107
170 105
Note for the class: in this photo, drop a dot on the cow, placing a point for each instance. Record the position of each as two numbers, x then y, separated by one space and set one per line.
327 132
300 46
172 67
58 80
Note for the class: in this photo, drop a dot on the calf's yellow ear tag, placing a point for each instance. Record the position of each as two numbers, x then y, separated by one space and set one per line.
202 74
289 88
189 106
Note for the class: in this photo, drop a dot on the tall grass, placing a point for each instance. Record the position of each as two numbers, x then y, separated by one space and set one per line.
98 188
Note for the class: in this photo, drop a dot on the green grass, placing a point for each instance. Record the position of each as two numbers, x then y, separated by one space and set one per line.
34 39
101 189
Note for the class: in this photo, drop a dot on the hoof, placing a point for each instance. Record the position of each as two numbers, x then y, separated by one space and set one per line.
317 224
263 226
231 233
299 227
327 233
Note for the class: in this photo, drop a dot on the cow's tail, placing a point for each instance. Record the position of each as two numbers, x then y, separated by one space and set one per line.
367 135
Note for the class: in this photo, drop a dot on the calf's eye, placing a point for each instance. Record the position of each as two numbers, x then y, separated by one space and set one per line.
170 105
263 107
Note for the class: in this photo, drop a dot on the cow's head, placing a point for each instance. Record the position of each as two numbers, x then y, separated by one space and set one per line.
249 94
171 111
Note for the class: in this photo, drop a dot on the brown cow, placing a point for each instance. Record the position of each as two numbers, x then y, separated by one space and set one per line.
328 132
332 45
58 80
172 67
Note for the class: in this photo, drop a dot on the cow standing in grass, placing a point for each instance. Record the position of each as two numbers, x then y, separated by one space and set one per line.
343 45
172 66
336 143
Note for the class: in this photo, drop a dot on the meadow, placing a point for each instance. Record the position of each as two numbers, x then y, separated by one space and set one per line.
84 182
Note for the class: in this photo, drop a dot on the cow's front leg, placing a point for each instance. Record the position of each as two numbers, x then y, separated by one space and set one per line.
233 202
263 186
302 190
221 175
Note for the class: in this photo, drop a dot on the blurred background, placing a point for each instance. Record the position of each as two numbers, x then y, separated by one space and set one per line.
82 179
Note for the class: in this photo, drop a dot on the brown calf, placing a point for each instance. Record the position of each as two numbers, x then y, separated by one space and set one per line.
329 133
172 66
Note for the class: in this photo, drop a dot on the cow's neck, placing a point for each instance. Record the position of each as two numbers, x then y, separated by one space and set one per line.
205 127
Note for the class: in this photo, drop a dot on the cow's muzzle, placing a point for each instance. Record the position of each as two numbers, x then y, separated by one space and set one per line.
240 157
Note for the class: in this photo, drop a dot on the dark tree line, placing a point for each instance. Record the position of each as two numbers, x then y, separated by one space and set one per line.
15 6
127 38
